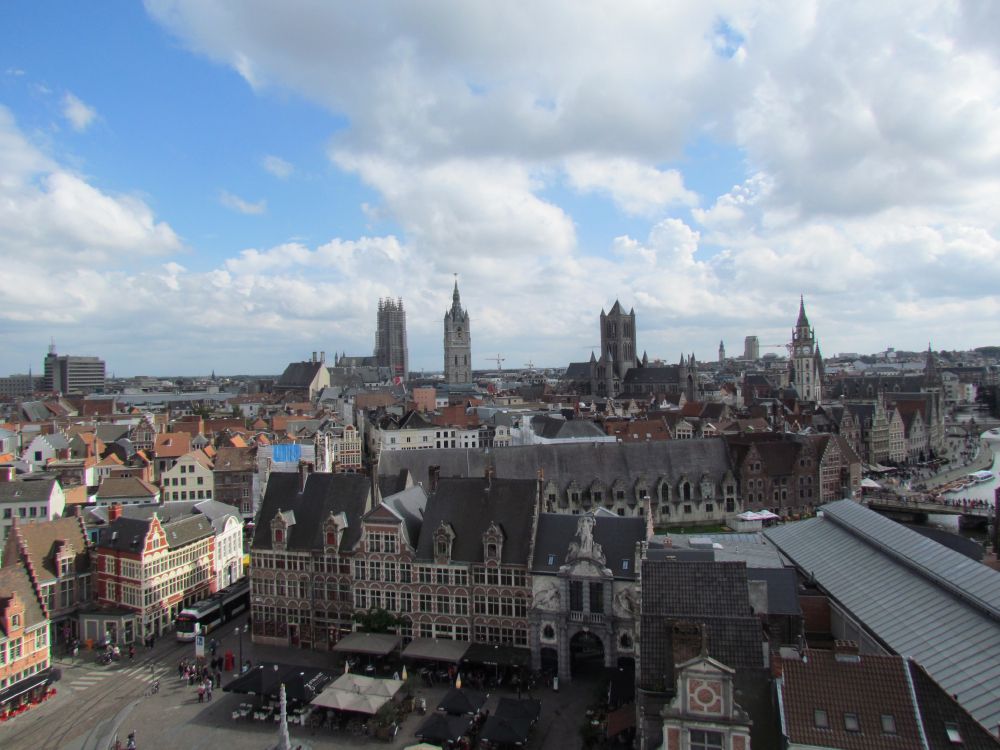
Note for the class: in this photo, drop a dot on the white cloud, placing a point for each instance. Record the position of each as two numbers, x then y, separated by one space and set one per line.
277 166
869 136
229 200
80 115
638 189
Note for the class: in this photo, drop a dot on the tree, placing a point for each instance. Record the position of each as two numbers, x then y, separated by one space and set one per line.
377 621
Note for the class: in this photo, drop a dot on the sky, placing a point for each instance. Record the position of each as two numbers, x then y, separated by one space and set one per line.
190 186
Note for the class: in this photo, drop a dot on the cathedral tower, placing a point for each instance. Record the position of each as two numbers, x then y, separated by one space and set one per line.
457 342
805 363
390 338
617 349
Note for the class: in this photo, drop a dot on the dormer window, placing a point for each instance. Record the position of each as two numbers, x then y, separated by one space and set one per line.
442 547
15 621
331 539
279 535
491 551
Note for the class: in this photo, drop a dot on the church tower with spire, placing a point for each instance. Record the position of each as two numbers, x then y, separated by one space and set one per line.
805 363
457 342
617 350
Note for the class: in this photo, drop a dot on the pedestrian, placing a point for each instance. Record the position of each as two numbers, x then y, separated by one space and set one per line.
201 693
131 652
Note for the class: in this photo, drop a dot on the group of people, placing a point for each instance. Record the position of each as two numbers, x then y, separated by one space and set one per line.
206 676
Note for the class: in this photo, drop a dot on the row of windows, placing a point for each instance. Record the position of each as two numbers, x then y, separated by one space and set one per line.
25 512
382 541
504 606
502 636
18 676
25 645
499 577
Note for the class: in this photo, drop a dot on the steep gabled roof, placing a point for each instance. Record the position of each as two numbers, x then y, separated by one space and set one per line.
40 540
299 374
617 536
470 506
15 580
324 494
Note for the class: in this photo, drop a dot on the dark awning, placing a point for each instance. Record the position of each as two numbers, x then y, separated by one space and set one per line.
434 649
497 655
375 644
458 701
301 683
28 683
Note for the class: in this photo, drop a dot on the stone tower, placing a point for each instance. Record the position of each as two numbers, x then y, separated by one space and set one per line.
722 352
805 363
617 349
457 342
390 338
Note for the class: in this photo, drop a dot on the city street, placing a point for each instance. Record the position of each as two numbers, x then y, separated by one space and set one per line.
95 703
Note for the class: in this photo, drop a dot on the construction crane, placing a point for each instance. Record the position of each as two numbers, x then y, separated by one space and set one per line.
498 359
530 365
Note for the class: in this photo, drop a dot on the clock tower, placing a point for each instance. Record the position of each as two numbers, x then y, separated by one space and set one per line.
457 342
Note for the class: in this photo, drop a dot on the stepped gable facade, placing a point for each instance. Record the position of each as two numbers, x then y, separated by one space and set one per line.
686 480
307 530
56 555
383 568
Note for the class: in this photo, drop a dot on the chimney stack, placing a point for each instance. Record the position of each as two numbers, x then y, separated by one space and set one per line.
314 357
114 512
647 509
6 473
433 475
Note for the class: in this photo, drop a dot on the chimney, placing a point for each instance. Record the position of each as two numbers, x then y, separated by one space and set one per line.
322 357
846 652
433 475
776 665
114 512
6 473
687 641
489 477
314 357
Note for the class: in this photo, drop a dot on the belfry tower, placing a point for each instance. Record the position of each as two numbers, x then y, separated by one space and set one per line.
457 342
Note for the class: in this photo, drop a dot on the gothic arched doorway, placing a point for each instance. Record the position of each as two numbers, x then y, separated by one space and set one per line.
586 654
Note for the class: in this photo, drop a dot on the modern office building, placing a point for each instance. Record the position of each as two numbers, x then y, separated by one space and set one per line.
69 374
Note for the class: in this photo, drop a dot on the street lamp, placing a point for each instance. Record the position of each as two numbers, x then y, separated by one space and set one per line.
240 632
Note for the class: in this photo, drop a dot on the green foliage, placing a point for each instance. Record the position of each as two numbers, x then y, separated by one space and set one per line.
377 621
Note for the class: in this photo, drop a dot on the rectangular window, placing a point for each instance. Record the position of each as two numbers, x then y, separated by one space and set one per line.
888 723
596 597
576 596
851 723
820 719
703 739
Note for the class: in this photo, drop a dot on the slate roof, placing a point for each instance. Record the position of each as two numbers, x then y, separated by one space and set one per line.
782 589
14 579
577 371
649 375
617 536
324 494
110 433
409 505
938 709
917 597
713 594
553 428
26 490
299 374
128 534
562 463
469 506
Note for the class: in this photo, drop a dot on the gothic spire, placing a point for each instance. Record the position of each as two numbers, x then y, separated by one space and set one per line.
803 321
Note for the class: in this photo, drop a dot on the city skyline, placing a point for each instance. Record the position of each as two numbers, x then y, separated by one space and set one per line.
231 189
